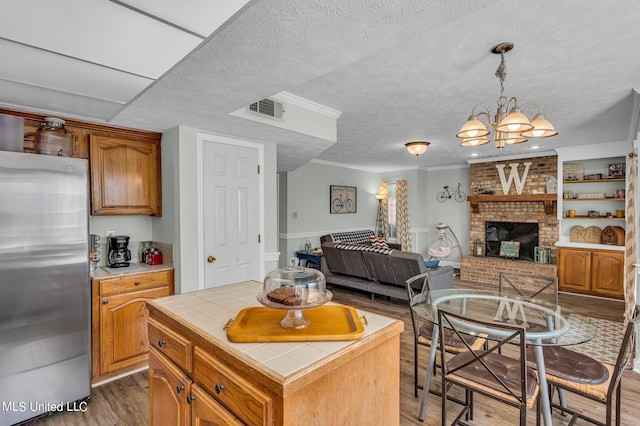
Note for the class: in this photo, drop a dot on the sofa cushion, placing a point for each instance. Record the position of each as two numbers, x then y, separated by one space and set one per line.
344 261
380 267
405 265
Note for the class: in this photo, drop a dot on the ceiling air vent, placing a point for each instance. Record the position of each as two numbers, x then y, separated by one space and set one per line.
267 107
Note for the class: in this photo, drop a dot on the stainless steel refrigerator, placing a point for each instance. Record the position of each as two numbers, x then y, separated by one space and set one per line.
45 315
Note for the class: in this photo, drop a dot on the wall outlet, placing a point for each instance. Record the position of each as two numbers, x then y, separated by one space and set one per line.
109 233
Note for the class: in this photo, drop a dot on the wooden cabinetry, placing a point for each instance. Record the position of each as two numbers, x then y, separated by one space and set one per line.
119 325
125 176
353 383
591 271
169 392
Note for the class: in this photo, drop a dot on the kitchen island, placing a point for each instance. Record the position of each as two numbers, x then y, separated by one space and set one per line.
197 375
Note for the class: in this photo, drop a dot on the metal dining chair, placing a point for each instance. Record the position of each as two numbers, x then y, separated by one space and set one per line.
529 286
504 378
422 334
589 378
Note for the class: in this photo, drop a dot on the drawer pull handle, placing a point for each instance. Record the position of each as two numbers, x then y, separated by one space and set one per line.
161 343
179 388
190 398
137 283
105 302
219 388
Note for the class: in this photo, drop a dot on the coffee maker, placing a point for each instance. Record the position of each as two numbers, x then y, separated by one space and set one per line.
119 254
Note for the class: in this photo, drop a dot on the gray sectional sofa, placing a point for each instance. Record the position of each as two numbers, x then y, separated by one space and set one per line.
357 264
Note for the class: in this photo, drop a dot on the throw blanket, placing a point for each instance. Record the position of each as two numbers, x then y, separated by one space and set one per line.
353 237
360 247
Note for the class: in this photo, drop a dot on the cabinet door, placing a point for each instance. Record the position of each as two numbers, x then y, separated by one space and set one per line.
169 389
206 411
607 273
79 142
123 329
125 176
574 270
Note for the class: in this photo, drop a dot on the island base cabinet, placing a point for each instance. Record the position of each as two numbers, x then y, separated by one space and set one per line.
207 412
169 392
355 384
591 271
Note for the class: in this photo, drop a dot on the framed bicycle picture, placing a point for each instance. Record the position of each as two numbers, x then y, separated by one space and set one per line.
343 199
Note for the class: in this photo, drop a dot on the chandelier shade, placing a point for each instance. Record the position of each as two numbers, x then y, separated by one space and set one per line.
541 128
473 128
475 141
515 121
509 128
417 148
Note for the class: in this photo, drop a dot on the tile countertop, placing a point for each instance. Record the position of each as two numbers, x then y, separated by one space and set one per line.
134 268
210 310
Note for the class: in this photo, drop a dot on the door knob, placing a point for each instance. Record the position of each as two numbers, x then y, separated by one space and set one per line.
211 259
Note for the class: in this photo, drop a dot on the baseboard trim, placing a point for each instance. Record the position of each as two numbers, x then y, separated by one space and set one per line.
119 376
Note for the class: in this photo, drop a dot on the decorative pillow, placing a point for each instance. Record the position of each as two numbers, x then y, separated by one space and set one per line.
379 242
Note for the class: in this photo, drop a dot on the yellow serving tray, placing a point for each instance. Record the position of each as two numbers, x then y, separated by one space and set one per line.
326 323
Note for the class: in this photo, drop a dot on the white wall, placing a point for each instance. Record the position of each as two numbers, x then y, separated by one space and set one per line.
304 193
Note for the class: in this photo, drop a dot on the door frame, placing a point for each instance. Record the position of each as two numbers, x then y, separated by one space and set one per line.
201 139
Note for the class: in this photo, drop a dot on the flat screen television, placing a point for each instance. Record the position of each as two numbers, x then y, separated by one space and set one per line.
525 233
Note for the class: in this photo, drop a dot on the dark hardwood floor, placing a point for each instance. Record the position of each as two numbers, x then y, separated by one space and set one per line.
124 402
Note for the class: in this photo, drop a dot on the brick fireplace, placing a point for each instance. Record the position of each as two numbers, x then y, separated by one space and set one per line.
532 206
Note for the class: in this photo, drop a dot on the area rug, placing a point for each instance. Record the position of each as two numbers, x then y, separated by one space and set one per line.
606 345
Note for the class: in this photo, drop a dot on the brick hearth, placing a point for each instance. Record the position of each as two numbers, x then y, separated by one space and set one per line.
485 175
487 269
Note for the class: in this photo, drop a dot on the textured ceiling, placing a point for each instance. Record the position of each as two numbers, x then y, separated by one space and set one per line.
400 71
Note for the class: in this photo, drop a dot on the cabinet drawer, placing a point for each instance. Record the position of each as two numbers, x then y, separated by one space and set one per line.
238 395
128 283
176 347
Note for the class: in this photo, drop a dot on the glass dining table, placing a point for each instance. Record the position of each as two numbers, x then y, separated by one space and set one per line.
546 324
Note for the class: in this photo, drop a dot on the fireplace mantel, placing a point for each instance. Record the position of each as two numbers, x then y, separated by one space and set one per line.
547 199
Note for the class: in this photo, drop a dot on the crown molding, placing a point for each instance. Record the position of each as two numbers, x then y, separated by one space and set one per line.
292 99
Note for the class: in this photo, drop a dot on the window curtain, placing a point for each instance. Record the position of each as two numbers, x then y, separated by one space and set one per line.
384 210
630 239
402 215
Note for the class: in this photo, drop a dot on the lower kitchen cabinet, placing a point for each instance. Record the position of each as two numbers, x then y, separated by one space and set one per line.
119 320
169 392
591 271
176 400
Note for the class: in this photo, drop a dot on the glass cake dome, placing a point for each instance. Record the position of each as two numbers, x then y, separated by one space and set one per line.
294 288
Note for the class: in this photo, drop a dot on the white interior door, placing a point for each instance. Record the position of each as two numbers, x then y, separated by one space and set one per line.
230 215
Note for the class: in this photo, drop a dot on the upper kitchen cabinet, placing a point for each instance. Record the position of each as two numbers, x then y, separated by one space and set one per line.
125 175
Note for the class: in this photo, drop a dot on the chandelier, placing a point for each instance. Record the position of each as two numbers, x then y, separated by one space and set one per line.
510 125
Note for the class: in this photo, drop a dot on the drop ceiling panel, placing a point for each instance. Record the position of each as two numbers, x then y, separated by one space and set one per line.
97 31
35 67
23 96
200 16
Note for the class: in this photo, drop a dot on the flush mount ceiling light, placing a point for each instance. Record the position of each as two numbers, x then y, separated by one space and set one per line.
417 148
510 125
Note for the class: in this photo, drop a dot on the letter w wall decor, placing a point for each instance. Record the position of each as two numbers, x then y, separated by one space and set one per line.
513 176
